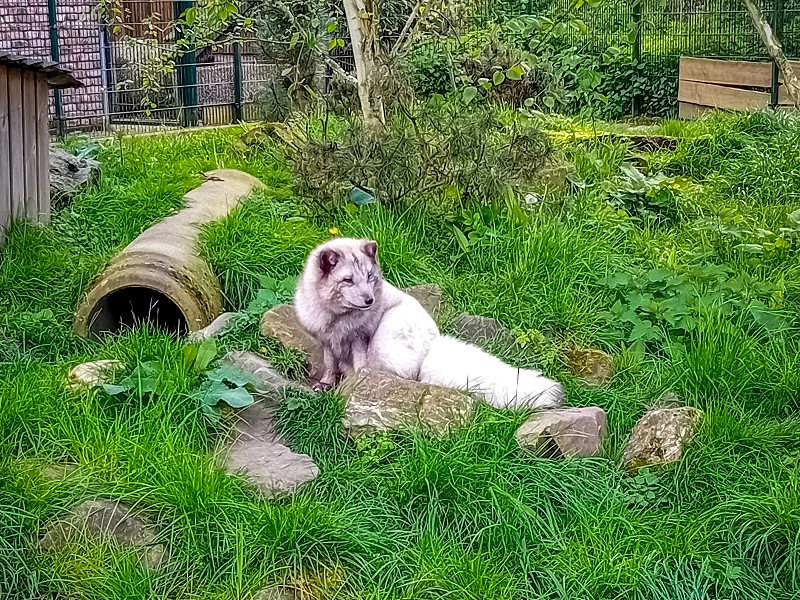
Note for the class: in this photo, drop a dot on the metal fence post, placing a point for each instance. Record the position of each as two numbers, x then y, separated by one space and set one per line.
237 81
777 28
636 14
187 69
52 18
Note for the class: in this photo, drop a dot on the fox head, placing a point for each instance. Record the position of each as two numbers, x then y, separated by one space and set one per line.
347 274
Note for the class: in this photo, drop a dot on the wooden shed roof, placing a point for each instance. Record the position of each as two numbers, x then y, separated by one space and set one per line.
56 76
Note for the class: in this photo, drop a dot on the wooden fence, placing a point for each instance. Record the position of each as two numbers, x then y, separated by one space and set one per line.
24 147
706 84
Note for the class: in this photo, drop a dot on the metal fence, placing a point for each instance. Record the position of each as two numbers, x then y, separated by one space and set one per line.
142 85
654 34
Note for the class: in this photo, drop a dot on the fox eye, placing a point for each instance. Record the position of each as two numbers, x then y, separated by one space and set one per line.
347 280
369 277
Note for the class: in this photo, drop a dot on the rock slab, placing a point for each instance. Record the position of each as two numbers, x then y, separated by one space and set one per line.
430 296
68 173
594 367
376 401
660 436
479 330
92 374
106 520
564 432
256 448
217 327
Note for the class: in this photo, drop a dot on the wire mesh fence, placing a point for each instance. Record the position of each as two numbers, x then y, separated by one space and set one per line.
142 84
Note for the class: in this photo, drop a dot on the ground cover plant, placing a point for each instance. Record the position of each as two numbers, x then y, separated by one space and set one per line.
689 276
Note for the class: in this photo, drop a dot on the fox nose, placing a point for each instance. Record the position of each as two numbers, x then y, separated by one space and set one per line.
369 300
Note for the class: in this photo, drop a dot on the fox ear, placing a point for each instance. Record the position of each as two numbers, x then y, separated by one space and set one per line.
371 250
327 261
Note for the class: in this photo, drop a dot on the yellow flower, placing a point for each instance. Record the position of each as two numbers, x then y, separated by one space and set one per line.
333 231
263 350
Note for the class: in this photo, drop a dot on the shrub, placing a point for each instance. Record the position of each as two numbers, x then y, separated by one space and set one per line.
430 147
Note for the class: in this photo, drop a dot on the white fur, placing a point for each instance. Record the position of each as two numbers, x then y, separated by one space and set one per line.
408 344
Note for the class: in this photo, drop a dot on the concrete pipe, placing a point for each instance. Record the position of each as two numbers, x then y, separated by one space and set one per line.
159 277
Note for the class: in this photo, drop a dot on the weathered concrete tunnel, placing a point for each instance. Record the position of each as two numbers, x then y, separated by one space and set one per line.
159 277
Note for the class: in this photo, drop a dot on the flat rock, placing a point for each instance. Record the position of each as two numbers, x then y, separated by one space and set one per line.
660 436
554 177
256 448
106 520
594 367
270 382
218 326
68 173
430 296
376 401
273 592
479 330
275 469
281 323
564 432
92 374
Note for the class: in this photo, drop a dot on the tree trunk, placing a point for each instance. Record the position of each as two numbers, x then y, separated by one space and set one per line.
362 23
775 50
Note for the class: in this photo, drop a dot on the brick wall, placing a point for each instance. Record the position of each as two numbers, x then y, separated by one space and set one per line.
24 30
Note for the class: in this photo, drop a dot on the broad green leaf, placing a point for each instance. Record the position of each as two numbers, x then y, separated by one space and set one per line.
231 374
113 389
213 413
351 209
469 94
237 397
206 353
331 27
360 196
294 40
332 44
513 75
267 282
462 240
498 78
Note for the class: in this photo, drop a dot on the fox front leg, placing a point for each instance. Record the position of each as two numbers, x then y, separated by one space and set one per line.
330 367
359 354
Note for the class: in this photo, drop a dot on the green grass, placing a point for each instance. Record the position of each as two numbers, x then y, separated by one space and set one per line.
464 517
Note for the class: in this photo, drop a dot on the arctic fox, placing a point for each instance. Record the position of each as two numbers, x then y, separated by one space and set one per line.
361 320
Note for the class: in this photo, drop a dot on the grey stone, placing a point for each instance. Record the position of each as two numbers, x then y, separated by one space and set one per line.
553 177
270 382
281 323
218 326
660 436
88 375
592 366
68 173
564 432
376 401
430 296
273 592
257 449
260 452
479 330
58 471
106 520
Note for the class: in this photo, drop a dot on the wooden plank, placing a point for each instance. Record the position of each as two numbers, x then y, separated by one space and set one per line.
720 96
30 144
726 72
5 172
16 144
687 110
43 155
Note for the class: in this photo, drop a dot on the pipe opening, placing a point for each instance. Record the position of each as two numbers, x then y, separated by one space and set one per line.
130 307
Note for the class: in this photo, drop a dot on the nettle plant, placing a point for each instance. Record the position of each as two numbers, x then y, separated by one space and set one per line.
655 200
730 226
659 307
222 386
